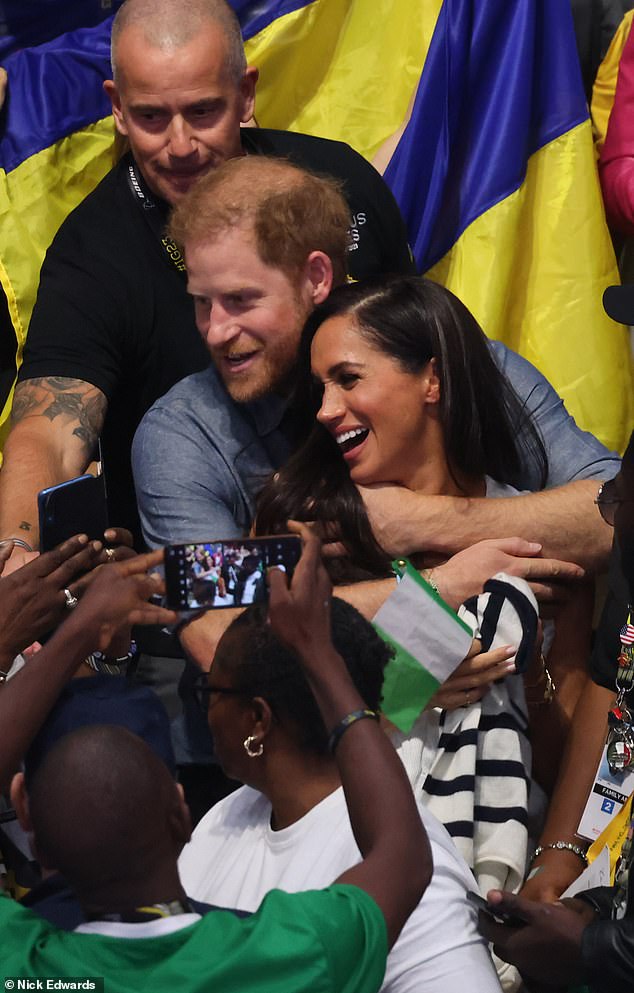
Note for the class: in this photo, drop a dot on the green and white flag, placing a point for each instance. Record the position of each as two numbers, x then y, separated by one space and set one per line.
429 639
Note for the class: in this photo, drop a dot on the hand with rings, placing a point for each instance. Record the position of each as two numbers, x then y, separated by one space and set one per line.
118 549
473 677
35 598
118 545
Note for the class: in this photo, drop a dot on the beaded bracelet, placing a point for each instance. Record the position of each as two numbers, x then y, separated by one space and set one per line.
561 846
343 725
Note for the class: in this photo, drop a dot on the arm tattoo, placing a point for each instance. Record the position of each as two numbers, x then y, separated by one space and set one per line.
80 405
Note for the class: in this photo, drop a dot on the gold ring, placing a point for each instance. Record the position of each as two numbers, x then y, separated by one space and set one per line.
110 554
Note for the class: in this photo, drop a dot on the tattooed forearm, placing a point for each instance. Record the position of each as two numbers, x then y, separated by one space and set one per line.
91 417
24 402
77 405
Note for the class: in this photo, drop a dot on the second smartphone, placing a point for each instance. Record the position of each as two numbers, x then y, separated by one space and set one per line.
230 573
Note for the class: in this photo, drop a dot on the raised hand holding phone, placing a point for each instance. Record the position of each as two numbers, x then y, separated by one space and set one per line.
397 862
299 614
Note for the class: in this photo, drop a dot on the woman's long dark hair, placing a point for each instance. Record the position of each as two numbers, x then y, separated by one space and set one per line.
486 430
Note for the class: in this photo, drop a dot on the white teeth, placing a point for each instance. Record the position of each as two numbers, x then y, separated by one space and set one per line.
237 359
347 435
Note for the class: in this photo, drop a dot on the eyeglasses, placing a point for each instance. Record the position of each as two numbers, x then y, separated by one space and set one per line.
608 502
203 689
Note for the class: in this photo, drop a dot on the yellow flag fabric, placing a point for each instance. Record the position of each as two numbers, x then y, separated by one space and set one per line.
529 253
46 187
333 70
533 269
56 145
604 86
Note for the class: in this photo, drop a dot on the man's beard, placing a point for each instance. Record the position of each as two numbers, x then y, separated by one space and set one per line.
274 374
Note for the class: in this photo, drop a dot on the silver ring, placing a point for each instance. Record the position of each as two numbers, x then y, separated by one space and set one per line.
71 601
110 554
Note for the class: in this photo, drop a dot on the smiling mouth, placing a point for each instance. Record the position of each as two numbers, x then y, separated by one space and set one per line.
350 440
181 175
237 361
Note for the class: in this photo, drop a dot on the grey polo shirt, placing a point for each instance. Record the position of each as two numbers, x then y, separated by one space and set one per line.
199 460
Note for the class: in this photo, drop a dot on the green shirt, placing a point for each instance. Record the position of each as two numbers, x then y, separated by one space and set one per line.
323 940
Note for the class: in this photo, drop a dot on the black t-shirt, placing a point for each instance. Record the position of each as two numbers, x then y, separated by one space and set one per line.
112 308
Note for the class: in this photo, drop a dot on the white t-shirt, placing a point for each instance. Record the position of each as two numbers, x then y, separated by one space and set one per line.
235 858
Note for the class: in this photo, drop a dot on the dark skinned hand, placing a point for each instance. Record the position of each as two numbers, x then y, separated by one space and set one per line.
32 598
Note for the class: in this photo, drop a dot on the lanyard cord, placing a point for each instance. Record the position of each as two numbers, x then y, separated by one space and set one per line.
155 216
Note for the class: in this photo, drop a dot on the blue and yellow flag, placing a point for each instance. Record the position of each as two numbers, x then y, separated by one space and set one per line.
478 110
55 146
474 110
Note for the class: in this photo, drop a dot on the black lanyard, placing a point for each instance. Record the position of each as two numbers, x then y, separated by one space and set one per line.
155 215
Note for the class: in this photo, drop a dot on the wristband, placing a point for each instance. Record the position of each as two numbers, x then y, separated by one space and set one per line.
561 846
340 729
16 541
106 665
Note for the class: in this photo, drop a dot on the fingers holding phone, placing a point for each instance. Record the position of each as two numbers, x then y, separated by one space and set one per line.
299 612
119 598
35 598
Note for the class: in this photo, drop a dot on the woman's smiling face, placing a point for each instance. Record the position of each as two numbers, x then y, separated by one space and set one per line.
380 416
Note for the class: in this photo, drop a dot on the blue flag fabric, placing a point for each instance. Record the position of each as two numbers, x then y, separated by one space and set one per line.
500 81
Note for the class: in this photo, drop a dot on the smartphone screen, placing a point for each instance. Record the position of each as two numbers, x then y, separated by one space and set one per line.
77 506
232 573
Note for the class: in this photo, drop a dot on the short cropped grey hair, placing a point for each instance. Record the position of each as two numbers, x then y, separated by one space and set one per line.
176 22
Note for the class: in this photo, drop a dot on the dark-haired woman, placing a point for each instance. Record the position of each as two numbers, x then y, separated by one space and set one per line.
406 392
289 828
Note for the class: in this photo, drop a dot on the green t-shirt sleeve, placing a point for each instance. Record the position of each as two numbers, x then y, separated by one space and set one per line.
20 929
356 959
349 932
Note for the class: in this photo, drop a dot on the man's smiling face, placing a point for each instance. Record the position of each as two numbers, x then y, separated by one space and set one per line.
250 314
179 106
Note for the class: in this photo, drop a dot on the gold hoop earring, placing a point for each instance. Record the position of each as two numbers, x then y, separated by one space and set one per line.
252 752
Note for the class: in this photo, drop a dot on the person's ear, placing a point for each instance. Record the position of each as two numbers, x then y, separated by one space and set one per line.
20 802
431 383
247 92
318 276
112 92
180 818
261 719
